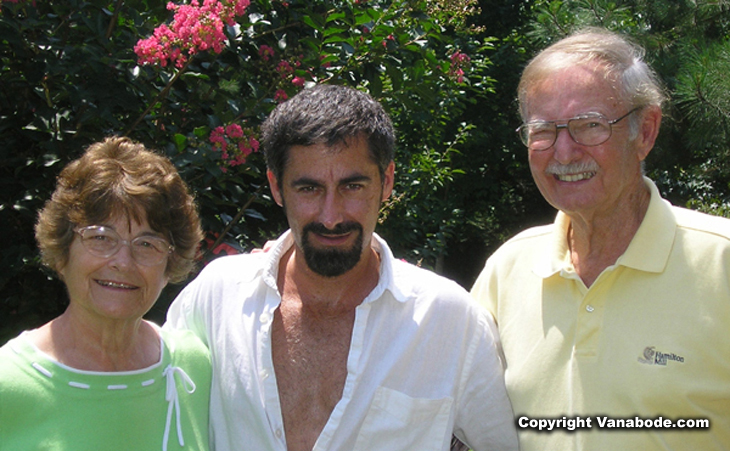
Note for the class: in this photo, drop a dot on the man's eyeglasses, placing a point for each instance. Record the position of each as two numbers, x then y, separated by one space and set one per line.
590 129
105 242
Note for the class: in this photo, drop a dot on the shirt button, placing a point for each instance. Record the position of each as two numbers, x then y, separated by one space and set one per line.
263 374
278 433
265 318
589 308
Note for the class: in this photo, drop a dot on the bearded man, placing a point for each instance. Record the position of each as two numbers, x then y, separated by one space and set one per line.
327 341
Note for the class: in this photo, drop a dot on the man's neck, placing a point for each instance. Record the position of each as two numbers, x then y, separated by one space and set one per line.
327 295
597 241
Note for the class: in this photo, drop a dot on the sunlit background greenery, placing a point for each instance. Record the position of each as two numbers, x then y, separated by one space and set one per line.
69 77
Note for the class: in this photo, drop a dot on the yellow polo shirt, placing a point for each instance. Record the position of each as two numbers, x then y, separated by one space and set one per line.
648 341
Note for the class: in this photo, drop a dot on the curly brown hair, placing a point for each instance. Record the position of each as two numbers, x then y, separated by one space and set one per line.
114 177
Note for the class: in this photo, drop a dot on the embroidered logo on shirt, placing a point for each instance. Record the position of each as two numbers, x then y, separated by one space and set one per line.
653 357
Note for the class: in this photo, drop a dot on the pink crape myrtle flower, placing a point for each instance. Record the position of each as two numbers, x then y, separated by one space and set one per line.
218 136
194 28
234 143
266 52
234 131
280 95
459 60
285 69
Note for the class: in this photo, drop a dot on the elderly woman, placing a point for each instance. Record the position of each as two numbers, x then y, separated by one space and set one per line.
120 226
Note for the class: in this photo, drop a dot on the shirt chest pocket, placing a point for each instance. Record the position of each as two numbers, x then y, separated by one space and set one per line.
396 421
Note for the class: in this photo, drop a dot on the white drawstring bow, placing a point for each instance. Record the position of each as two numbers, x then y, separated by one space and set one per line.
173 400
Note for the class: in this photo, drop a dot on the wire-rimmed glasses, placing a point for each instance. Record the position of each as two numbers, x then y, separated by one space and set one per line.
147 250
589 129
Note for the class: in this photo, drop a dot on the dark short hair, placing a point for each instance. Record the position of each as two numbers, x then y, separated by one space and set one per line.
115 177
331 115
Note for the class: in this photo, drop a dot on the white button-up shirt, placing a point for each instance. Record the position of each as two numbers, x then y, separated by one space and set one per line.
423 361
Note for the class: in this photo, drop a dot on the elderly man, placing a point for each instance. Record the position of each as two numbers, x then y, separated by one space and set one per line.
614 320
326 341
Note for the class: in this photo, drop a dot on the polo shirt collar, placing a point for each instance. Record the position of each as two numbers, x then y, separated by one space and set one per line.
386 281
555 254
650 248
648 251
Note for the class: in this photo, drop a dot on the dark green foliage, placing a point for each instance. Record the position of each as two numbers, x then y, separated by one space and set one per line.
69 77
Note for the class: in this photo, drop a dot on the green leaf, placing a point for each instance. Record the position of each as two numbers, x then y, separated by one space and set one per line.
363 18
336 16
333 30
308 19
181 141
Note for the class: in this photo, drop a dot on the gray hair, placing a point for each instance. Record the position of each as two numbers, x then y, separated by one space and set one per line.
620 60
